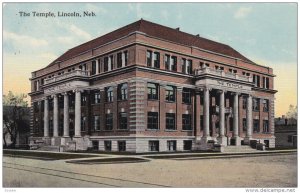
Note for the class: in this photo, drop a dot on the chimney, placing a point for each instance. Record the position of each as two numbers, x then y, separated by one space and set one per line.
178 28
198 35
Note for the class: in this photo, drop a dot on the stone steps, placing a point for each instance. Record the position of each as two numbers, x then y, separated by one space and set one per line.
49 148
239 149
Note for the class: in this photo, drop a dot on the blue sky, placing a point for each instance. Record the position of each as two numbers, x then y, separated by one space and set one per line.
266 33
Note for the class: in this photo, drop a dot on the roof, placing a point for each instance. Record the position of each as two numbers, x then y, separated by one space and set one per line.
155 30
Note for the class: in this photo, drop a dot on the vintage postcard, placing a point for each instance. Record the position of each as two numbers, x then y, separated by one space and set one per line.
150 95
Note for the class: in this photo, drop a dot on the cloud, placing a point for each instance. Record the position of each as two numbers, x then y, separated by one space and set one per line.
79 32
242 12
23 39
137 8
164 14
74 30
48 56
98 9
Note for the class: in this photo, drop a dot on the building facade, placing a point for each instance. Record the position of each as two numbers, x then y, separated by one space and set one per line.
146 87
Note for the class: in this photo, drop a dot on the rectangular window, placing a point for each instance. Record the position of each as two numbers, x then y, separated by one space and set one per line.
122 145
266 82
95 145
107 145
109 94
170 93
187 144
96 123
171 145
152 91
96 97
152 120
51 126
153 145
170 121
167 62
50 101
36 107
244 124
122 91
105 64
265 105
109 121
256 125
173 63
111 62
186 95
123 120
256 80
61 102
265 126
149 58
119 59
83 123
126 57
186 122
93 68
83 100
156 60
183 65
186 66
255 104
244 103
189 67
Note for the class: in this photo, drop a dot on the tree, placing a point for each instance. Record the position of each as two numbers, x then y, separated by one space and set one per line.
292 113
14 110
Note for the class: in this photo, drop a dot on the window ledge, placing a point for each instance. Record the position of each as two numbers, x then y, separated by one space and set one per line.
170 130
187 130
152 130
122 130
170 101
153 99
121 100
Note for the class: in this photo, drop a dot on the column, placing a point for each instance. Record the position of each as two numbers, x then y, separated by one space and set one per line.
197 111
55 116
97 66
222 115
236 119
109 63
249 118
46 117
123 59
152 61
222 139
77 113
206 113
66 115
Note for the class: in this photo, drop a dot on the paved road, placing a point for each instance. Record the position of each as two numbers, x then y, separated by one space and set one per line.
264 171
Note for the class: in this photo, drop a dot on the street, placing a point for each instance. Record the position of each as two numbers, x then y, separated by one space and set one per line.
261 171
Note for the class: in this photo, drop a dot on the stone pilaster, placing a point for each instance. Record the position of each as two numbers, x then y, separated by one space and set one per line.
206 114
222 139
46 117
236 119
77 113
55 116
249 120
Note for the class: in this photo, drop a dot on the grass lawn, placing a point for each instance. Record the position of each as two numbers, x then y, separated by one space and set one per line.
109 160
212 154
43 155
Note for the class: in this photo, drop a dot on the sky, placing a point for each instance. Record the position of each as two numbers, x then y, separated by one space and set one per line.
266 33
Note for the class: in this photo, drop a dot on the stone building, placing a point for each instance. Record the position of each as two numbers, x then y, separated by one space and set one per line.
147 87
